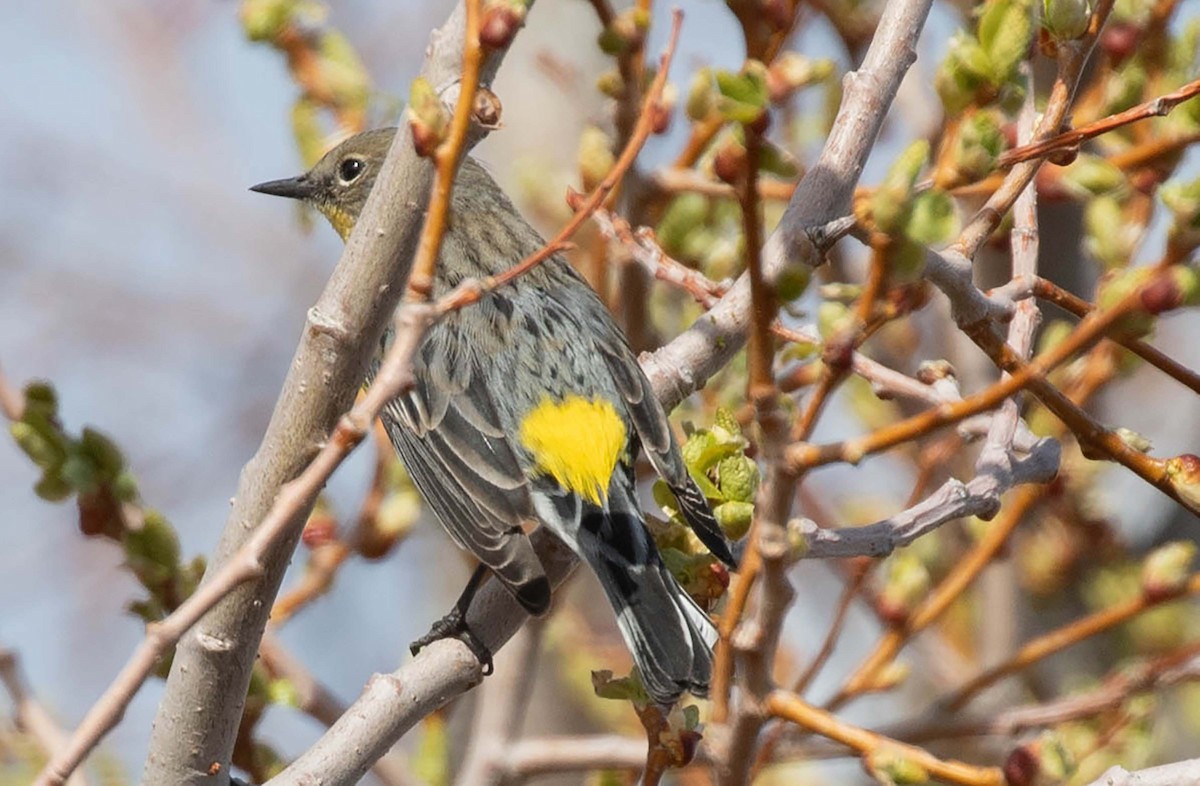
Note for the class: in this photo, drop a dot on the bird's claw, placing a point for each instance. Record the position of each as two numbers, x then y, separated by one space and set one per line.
454 625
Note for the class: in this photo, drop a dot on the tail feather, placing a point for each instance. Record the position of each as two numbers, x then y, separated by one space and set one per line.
670 637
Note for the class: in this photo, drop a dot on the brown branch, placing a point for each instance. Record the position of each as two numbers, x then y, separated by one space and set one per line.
1047 290
447 157
1023 375
873 747
1069 634
1159 107
1072 57
316 701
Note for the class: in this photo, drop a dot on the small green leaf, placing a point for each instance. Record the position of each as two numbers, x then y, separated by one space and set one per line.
52 487
742 97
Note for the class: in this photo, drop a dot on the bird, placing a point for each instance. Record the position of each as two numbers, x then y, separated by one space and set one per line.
529 408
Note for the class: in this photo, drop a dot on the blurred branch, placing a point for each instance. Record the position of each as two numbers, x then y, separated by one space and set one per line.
12 403
30 715
1070 634
878 752
1182 773
500 710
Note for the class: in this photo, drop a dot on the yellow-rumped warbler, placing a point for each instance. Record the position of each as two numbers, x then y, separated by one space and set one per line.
529 406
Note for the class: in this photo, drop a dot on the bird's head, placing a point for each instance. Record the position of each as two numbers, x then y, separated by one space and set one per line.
339 183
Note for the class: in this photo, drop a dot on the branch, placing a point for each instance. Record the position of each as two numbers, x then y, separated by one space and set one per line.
198 717
955 499
1158 107
1181 773
30 715
823 195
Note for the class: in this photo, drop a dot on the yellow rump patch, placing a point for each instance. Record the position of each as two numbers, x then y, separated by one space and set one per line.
577 442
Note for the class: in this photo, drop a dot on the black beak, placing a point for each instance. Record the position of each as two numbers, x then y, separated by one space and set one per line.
292 188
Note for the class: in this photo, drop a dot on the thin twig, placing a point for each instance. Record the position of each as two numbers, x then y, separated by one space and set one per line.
1158 107
873 746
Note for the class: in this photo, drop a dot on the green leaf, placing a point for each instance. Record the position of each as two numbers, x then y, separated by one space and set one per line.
52 487
103 452
742 97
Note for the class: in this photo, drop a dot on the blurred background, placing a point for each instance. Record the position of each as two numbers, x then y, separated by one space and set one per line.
164 301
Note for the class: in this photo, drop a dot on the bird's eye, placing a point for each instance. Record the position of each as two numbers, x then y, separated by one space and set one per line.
350 169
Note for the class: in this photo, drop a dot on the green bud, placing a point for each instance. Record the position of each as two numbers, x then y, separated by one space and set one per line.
427 117
1109 235
45 451
963 73
734 518
792 282
40 398
978 145
124 487
595 156
1066 19
623 689
80 473
1183 200
1090 175
738 478
611 84
283 692
1166 570
890 764
155 542
702 95
934 219
263 20
892 201
906 583
833 319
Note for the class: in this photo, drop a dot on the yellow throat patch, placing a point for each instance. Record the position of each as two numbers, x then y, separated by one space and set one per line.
341 220
577 442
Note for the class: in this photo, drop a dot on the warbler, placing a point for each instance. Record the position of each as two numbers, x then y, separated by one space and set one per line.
529 406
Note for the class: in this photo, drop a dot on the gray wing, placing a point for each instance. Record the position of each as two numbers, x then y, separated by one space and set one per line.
658 440
447 433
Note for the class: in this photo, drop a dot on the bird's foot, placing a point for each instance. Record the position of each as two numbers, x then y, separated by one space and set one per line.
454 625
